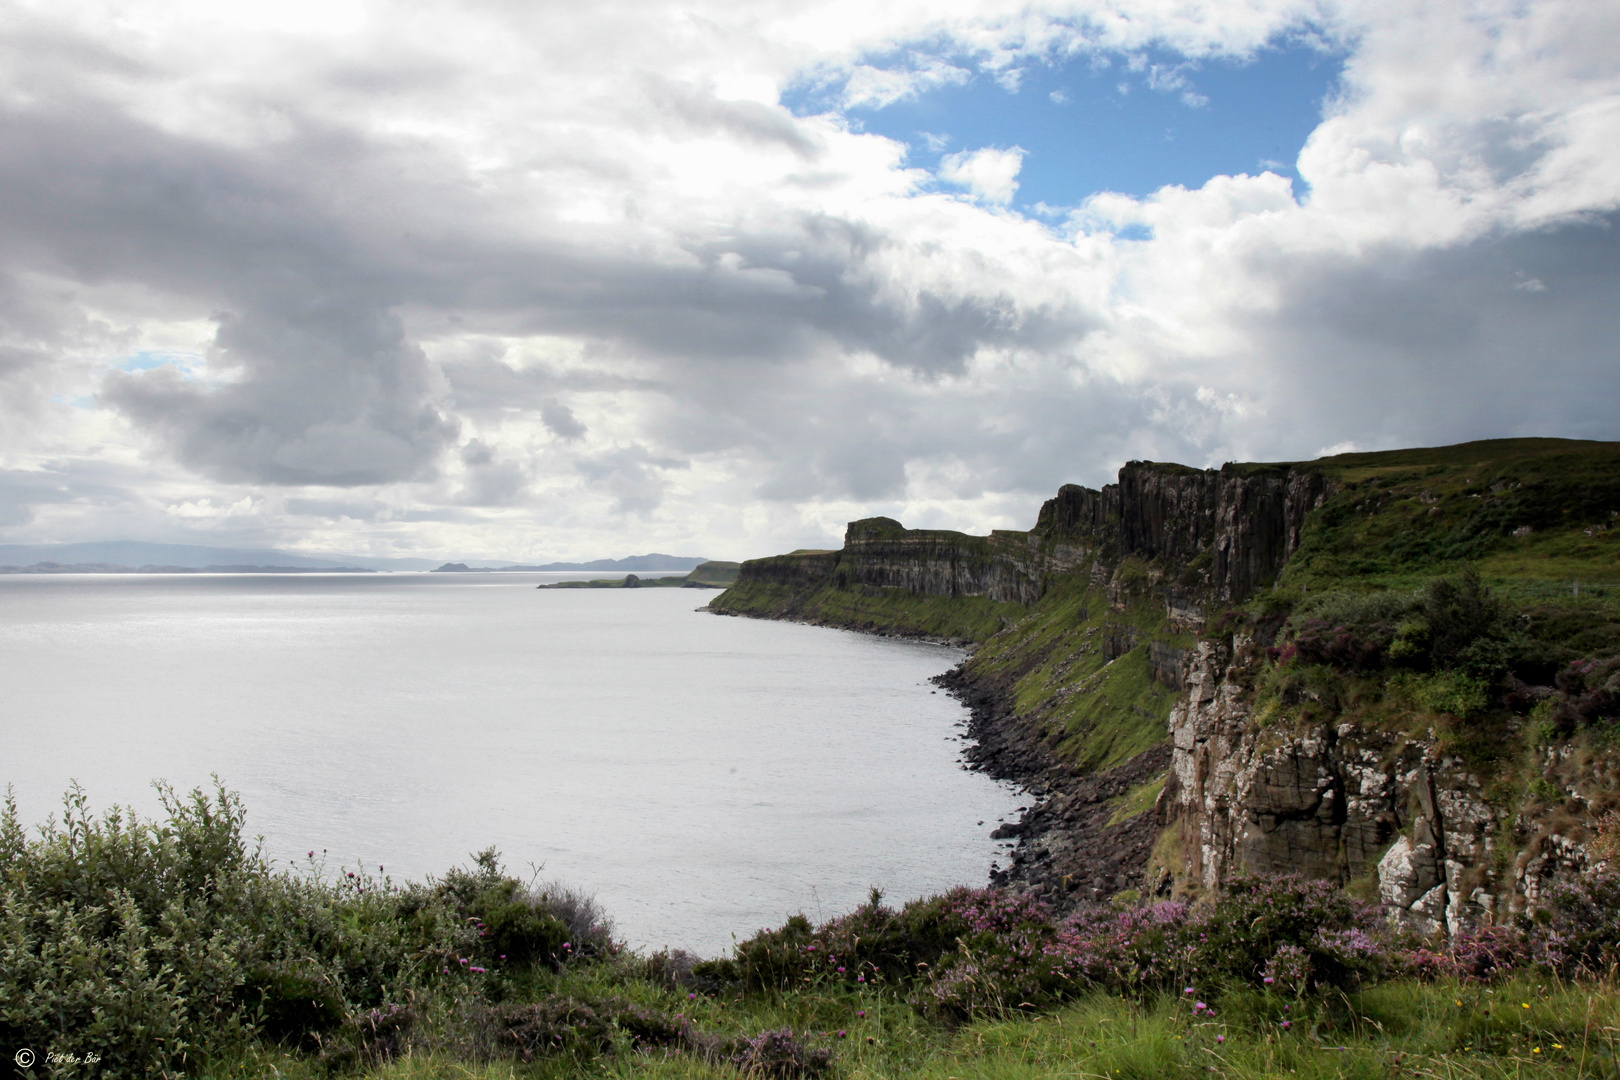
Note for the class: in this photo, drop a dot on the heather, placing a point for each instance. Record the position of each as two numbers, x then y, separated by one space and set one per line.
173 948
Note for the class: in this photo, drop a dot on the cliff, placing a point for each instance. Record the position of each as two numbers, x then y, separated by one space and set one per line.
1444 842
1278 667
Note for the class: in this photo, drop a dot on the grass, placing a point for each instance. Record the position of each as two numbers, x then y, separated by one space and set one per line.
1402 514
1098 711
1398 1029
1137 801
963 619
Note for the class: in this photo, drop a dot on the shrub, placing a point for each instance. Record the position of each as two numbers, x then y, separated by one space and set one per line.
160 945
1450 692
1591 694
1241 933
1577 931
517 925
1352 631
551 1026
995 952
125 938
780 1055
873 945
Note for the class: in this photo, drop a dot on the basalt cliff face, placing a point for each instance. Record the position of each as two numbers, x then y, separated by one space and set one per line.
1128 652
1420 827
1227 531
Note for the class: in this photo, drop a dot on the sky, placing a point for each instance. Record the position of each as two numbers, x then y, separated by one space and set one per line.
512 281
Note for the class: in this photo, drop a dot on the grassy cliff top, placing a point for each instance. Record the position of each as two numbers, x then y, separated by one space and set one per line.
1536 512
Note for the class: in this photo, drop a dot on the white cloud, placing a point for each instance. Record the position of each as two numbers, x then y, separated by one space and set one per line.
989 173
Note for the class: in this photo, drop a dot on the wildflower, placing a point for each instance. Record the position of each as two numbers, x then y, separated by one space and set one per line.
1188 990
1287 1023
1269 980
312 853
463 959
841 1034
1527 1004
691 997
861 1013
1220 1038
1558 1046
840 969
1537 1050
476 969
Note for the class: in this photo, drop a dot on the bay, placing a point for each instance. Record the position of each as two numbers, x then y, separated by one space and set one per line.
702 776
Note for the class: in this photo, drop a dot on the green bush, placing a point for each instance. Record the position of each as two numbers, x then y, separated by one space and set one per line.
1450 692
161 945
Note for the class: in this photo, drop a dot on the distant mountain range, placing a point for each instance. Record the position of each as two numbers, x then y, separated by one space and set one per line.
135 553
111 555
629 564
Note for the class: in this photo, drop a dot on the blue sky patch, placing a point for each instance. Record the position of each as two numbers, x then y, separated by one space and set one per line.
147 359
1130 124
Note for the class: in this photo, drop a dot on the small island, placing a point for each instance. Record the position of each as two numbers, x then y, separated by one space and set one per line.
710 575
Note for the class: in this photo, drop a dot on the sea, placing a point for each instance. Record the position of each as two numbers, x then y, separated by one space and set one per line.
702 776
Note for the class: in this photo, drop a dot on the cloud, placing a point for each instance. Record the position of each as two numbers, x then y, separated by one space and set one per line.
991 174
478 279
561 421
321 394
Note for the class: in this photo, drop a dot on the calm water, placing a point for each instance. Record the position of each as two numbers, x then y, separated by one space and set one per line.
703 776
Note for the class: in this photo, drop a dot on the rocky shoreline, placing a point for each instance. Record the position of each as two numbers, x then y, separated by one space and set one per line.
1070 849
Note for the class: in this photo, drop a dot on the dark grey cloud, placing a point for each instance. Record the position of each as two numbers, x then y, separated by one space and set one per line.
325 395
561 421
304 253
1513 334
